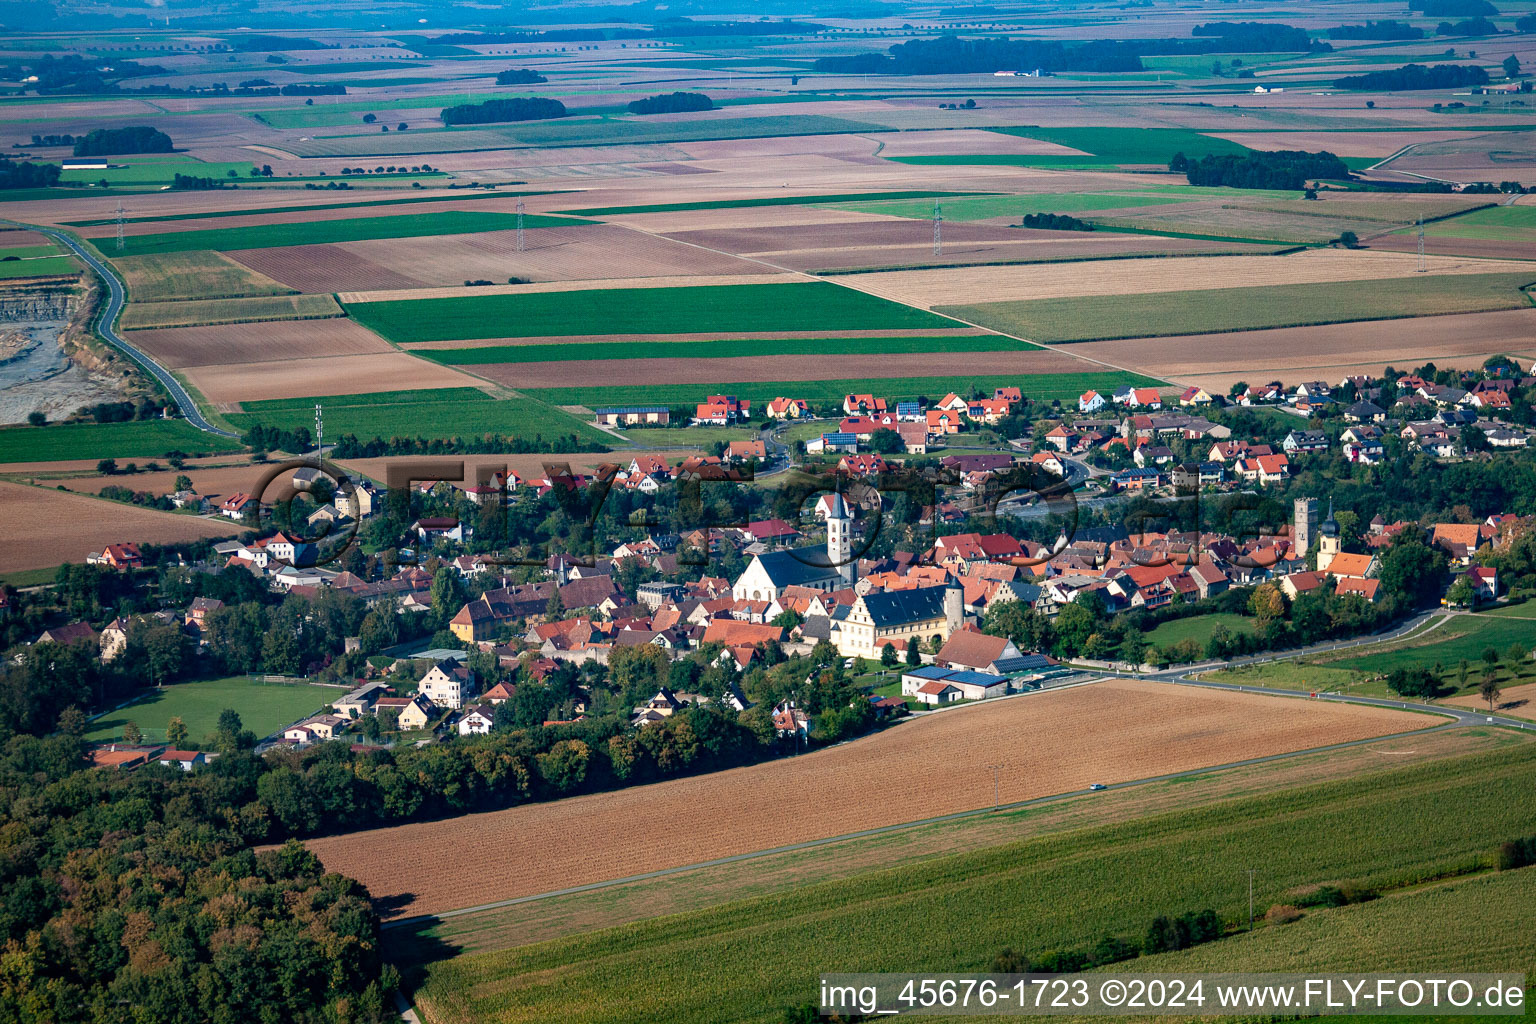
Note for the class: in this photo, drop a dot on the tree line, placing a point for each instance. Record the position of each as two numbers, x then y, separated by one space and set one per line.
672 103
1415 76
136 139
1288 170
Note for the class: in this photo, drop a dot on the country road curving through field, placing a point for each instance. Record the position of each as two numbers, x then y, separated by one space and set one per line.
117 295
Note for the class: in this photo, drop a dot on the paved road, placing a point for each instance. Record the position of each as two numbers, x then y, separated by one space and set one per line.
116 296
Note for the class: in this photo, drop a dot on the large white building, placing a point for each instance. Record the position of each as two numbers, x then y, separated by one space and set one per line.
825 567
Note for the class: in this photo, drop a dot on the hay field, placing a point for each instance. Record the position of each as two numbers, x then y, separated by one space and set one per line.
245 343
46 527
192 275
931 288
1048 743
1333 351
232 382
200 312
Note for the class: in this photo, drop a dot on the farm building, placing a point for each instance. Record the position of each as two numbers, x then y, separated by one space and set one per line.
628 415
932 680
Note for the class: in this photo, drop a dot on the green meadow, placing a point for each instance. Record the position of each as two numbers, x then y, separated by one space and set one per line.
270 236
813 306
263 708
725 349
137 439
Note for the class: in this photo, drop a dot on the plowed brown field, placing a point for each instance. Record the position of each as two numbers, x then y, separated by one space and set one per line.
46 527
325 375
1047 743
258 342
322 268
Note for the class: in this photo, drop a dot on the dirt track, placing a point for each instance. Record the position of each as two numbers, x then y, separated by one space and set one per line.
1047 743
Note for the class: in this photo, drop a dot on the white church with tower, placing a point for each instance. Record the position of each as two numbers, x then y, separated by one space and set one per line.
824 567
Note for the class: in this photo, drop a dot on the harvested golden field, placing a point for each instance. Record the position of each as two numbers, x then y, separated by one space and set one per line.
968 142
248 343
46 527
1047 743
229 383
1342 143
778 367
970 285
192 275
321 268
337 210
1293 354
204 312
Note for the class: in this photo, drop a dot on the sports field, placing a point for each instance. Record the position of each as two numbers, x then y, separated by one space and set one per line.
812 306
750 959
269 236
1238 309
263 708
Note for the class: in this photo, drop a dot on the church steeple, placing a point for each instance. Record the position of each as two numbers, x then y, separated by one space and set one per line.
840 538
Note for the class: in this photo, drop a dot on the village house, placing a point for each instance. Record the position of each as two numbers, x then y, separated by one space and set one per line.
477 721
722 410
412 712
787 409
447 684
895 617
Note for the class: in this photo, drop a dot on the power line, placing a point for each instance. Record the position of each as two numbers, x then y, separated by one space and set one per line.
1421 245
938 238
520 246
119 225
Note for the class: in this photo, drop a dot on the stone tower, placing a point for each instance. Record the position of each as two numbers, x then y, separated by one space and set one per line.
1303 526
840 539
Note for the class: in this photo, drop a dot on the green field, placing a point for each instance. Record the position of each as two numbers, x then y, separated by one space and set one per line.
1011 206
724 349
263 708
1198 628
1105 147
750 959
814 306
197 312
1480 924
1481 633
1041 387
320 232
1493 224
141 171
38 267
577 131
732 204
469 413
456 196
133 440
1242 309
349 67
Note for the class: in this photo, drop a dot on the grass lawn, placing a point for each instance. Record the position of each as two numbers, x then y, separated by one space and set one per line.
1104 146
814 306
271 236
1239 309
1478 634
30 577
263 708
986 207
1198 627
135 439
468 413
723 349
749 959
1042 387
733 204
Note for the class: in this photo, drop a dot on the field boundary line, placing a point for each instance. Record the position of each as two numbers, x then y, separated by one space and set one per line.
811 844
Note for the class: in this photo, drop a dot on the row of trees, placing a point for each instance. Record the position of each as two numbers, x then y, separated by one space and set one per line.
1415 76
672 103
134 139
